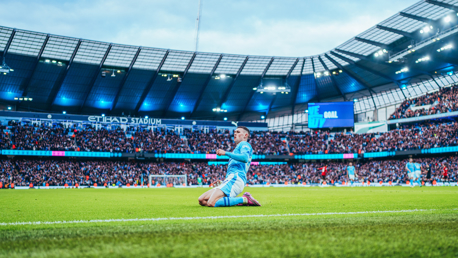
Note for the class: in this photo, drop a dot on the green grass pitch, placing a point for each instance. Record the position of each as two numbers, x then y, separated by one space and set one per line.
322 222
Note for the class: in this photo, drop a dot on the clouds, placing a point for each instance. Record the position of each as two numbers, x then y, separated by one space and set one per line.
279 28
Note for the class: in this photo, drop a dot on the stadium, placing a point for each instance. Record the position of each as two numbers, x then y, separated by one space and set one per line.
127 150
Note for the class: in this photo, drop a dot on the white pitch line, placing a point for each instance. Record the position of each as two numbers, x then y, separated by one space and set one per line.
204 218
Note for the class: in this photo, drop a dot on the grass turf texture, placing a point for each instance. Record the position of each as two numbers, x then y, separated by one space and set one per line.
431 233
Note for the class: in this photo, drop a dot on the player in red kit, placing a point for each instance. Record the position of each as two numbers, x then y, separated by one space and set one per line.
324 171
445 174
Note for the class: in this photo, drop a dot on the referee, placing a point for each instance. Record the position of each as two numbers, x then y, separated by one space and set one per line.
428 173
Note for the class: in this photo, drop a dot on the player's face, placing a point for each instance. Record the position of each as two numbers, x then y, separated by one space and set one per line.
410 160
239 135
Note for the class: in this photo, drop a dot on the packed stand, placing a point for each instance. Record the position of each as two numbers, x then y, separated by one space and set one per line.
23 172
443 101
35 137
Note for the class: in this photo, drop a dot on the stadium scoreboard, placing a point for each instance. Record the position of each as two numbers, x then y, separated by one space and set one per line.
331 115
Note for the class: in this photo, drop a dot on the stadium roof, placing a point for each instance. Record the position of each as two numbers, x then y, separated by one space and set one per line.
83 76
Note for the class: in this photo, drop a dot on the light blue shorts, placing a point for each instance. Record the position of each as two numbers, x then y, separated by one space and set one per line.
232 185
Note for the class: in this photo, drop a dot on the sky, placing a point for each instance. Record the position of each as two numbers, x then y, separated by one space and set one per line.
252 27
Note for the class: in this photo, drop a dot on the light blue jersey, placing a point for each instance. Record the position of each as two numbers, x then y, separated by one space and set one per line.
417 167
351 170
417 173
410 167
237 167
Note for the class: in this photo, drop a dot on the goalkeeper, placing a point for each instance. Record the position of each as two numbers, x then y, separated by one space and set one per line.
224 195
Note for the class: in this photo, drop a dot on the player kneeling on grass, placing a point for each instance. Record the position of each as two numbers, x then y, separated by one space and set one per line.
224 195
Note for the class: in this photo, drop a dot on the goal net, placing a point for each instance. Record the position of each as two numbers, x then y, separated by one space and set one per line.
166 180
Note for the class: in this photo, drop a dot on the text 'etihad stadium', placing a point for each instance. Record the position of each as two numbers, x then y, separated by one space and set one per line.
123 120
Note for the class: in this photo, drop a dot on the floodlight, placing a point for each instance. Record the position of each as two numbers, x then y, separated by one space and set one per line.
103 114
263 117
9 108
146 117
223 76
447 19
64 112
225 119
182 118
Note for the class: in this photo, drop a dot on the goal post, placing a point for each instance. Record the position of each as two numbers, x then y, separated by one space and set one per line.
164 180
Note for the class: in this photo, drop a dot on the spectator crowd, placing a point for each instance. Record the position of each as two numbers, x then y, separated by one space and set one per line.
23 172
160 140
442 101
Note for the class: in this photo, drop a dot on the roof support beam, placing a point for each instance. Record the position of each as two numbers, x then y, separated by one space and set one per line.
286 80
367 86
196 105
416 17
441 4
434 79
26 82
296 89
349 73
124 79
364 67
177 86
375 43
334 83
8 43
252 92
94 78
352 54
400 32
314 78
228 90
58 84
150 83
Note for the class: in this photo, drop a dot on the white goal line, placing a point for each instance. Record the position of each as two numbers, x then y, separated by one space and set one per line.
206 218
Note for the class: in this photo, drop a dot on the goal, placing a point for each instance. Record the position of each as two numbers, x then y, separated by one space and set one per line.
164 180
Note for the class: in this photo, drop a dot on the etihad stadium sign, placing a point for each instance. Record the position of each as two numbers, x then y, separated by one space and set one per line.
124 120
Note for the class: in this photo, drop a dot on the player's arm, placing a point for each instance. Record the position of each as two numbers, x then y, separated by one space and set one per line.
242 157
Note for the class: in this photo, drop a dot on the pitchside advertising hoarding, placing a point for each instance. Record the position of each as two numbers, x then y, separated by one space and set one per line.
330 115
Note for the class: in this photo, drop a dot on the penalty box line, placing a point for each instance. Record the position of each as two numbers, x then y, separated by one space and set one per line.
209 217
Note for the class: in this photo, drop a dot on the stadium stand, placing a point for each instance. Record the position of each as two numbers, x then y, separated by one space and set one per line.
23 172
443 101
160 140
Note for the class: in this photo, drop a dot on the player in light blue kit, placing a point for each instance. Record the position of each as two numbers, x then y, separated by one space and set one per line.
225 194
417 174
351 173
410 166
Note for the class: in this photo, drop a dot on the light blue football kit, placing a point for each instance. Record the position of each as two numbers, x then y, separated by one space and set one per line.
417 173
351 173
410 169
237 168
